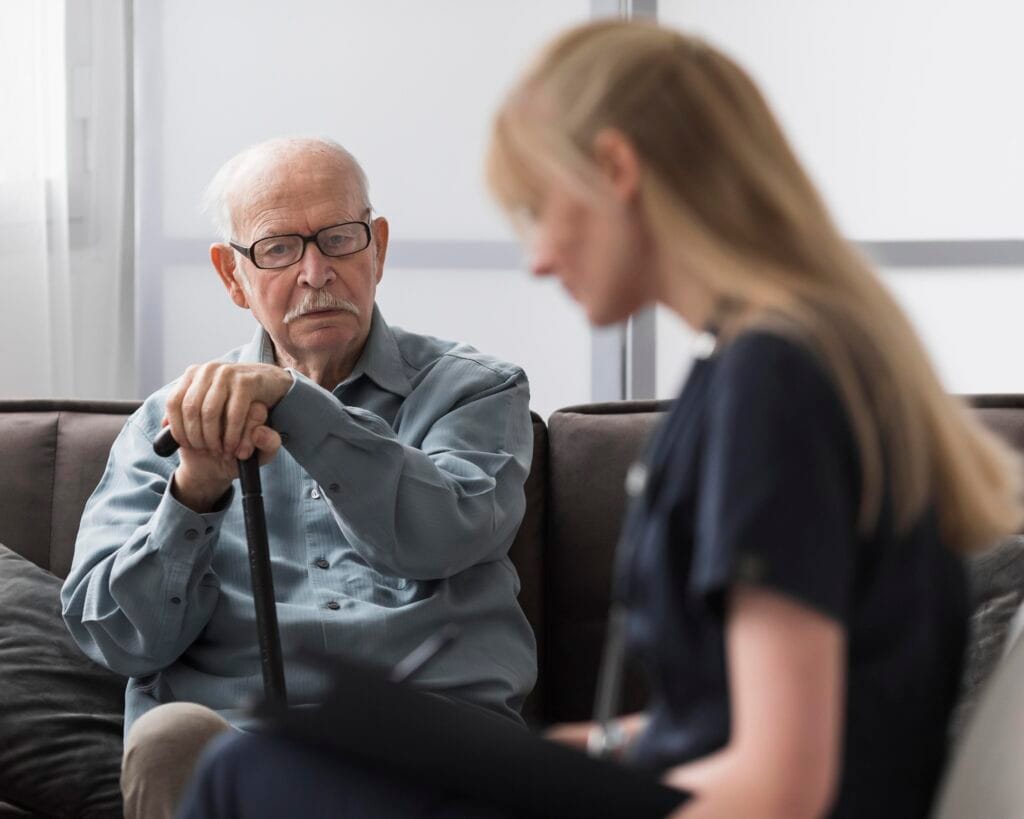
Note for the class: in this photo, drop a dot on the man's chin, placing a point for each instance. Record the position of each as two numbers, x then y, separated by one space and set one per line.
325 335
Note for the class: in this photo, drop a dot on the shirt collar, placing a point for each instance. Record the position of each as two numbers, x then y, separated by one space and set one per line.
259 350
380 361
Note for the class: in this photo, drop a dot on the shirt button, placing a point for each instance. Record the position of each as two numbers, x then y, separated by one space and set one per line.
333 605
322 564
176 600
315 494
191 534
209 530
334 487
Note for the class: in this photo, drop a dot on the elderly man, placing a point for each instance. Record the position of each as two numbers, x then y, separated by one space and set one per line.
393 479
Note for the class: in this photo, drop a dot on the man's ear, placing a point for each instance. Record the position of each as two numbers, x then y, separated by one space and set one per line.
380 241
223 258
618 162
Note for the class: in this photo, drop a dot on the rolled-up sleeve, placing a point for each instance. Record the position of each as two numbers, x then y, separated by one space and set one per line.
140 588
779 479
444 492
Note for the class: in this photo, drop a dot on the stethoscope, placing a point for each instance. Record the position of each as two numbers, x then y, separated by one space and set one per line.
607 739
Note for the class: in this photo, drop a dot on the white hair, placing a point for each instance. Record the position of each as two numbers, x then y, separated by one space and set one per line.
220 200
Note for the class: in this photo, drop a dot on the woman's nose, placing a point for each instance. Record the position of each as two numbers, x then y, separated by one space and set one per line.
541 262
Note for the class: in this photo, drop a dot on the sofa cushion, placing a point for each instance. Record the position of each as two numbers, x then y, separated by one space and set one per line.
590 450
996 584
53 454
28 448
997 591
527 556
61 715
83 446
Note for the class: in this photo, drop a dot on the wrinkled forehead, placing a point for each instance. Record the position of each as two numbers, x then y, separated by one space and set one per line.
285 188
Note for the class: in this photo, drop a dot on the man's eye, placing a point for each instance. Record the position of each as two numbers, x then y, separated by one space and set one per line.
337 240
276 250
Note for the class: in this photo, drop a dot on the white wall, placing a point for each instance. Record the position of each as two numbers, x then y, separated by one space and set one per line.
971 321
908 116
409 87
905 113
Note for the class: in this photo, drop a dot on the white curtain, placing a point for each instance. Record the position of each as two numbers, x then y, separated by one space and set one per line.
66 298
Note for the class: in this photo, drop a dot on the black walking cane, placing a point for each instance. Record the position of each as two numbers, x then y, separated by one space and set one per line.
259 568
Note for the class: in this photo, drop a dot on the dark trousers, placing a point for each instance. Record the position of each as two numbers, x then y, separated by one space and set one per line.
253 776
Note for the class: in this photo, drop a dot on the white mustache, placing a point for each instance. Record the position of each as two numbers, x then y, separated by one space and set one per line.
320 300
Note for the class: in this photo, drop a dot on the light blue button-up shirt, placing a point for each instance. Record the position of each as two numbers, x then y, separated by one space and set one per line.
390 511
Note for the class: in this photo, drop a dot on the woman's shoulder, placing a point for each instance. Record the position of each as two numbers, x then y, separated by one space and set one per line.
773 362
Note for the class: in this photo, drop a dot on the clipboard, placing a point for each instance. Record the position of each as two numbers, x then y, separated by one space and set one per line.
465 750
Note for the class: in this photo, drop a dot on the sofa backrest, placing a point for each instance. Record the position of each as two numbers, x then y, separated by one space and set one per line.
53 454
590 450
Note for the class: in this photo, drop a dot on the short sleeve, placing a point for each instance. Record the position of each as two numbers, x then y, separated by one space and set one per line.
778 491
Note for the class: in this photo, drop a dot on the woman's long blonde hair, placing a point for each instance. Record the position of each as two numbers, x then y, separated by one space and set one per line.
723 191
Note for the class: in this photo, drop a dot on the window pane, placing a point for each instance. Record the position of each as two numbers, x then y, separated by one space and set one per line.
906 113
410 89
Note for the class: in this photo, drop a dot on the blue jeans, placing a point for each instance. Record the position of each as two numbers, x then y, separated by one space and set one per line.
253 776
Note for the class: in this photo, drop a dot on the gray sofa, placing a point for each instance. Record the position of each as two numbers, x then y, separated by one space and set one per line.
60 715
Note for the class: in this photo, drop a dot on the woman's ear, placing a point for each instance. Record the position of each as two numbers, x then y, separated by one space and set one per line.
618 162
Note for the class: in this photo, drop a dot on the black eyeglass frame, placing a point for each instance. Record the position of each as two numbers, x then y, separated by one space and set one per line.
249 253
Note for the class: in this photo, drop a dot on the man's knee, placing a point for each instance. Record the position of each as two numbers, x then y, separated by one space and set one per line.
172 731
161 751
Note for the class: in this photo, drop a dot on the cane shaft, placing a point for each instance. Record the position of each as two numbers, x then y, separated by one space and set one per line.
262 582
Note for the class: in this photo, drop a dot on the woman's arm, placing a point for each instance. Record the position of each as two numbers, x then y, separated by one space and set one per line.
786 665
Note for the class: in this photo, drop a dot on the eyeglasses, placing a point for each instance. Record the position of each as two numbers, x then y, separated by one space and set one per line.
281 251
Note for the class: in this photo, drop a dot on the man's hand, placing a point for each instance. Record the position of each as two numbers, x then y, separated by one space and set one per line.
217 412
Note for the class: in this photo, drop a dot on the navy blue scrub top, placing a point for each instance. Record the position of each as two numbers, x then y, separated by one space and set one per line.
754 477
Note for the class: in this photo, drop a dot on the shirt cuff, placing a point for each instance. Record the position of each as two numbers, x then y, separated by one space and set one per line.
303 416
182 534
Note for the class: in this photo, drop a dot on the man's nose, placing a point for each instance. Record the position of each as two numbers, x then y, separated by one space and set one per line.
316 269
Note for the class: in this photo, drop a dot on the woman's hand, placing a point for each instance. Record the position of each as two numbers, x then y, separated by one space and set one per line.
573 734
577 734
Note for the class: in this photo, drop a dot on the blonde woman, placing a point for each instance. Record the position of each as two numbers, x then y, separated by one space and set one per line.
795 588
794 577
